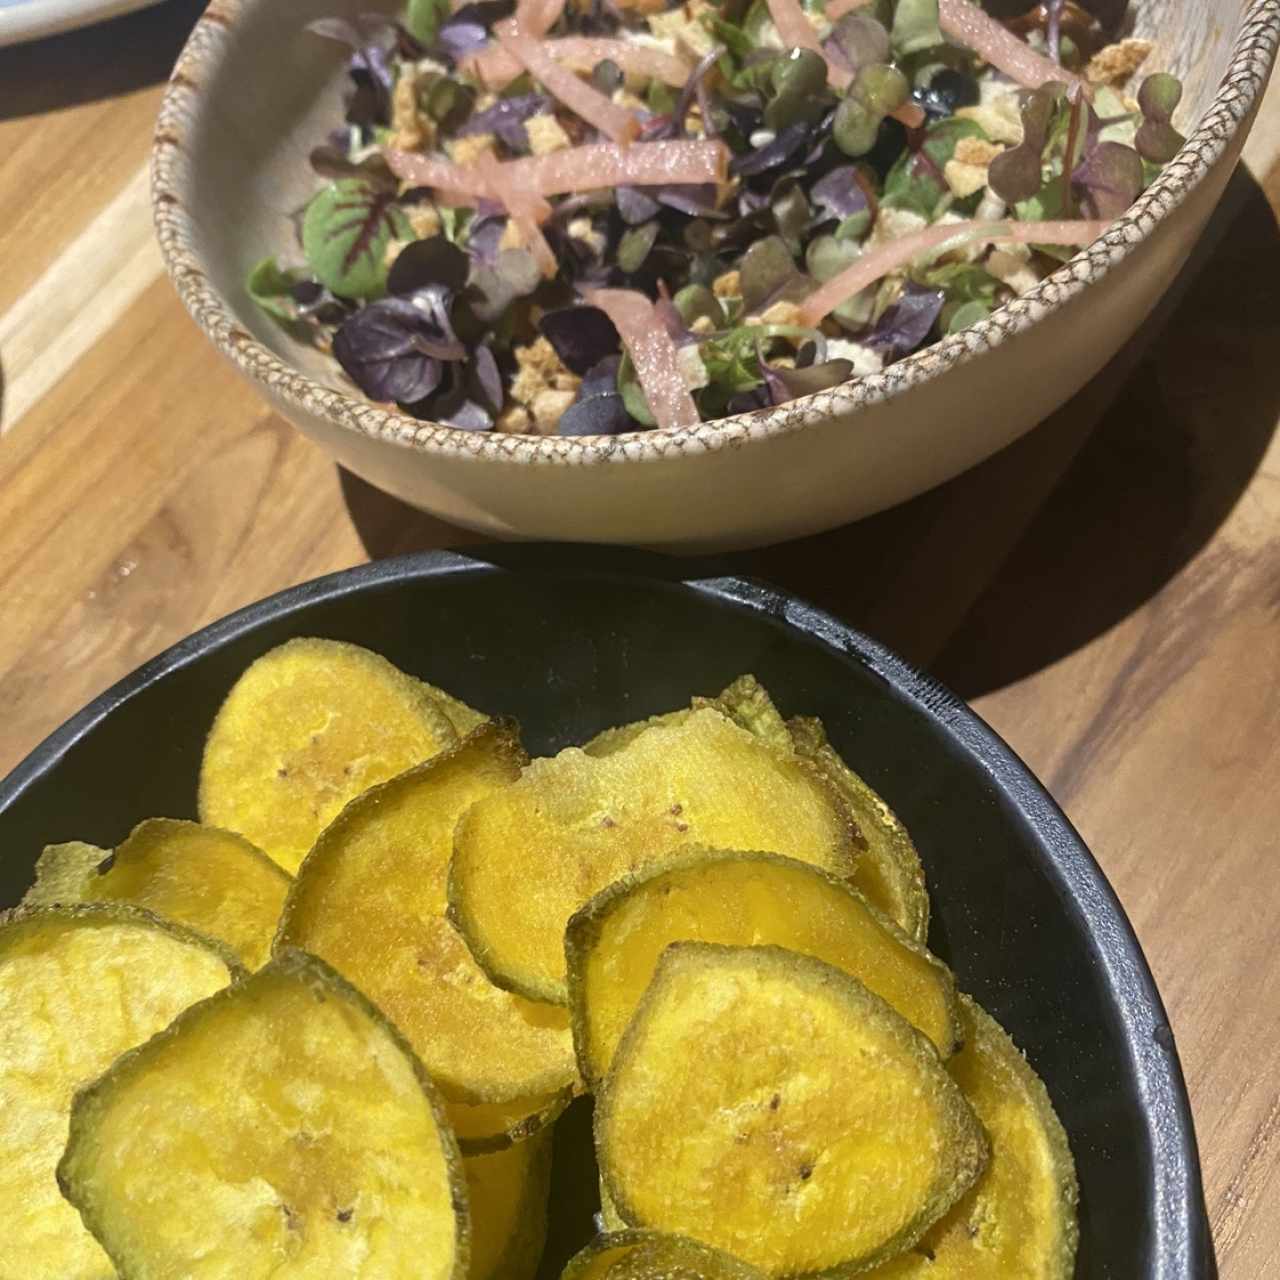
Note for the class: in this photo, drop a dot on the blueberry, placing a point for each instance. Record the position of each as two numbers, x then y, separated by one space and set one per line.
946 93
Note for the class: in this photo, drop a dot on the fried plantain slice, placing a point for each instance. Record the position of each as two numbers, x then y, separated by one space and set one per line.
613 943
1019 1220
214 881
463 718
747 703
306 728
280 1128
508 1193
651 1255
607 741
370 899
890 874
768 1104
79 985
527 857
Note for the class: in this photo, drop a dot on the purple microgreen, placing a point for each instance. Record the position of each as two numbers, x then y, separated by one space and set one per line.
748 401
696 301
597 415
915 27
860 40
582 336
464 413
506 119
907 323
1110 178
484 235
492 289
345 233
421 263
392 350
791 214
696 199
774 153
1015 175
470 27
315 302
1157 140
635 206
485 378
827 256
689 93
602 379
839 194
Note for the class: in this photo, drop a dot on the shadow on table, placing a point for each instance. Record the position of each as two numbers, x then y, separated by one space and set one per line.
1156 480
95 62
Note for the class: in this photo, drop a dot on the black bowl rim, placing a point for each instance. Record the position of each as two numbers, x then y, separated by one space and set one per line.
1183 1248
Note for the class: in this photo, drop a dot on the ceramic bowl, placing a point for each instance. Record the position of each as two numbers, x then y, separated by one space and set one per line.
572 641
249 98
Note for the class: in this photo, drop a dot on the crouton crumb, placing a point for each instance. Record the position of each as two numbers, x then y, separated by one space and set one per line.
1117 62
728 285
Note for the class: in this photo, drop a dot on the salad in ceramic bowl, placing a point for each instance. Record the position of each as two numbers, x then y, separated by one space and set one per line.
590 217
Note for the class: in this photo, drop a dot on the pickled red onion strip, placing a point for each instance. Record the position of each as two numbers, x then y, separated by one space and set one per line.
581 98
993 42
797 32
497 68
879 262
605 164
652 352
838 8
429 171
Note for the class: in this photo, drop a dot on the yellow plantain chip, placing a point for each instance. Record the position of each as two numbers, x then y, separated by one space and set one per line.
79 985
743 899
889 873
651 1255
526 858
746 702
214 881
283 1129
768 1104
508 1193
370 899
308 727
1019 1221
608 1212
607 741
62 872
463 718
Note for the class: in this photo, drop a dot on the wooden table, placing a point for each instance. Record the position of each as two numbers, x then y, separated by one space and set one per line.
1106 592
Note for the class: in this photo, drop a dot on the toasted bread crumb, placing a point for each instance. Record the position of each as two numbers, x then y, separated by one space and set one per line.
548 408
410 130
703 325
1117 62
728 285
546 135
514 419
425 220
1000 119
466 151
539 368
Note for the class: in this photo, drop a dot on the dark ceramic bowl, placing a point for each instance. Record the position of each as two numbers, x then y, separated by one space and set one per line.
571 641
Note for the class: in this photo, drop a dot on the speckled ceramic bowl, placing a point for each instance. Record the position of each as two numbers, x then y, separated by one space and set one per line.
247 101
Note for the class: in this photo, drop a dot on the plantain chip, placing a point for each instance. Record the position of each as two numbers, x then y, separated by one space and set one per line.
370 899
651 1255
1019 1221
62 872
889 874
463 718
528 856
78 986
768 1104
609 1216
746 899
214 881
508 1193
281 1128
607 741
309 726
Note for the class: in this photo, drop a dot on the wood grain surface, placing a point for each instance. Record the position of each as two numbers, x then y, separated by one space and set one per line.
1106 592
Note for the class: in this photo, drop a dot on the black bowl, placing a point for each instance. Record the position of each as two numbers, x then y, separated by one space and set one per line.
571 640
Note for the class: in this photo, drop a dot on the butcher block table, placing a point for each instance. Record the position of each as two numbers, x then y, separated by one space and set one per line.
1106 592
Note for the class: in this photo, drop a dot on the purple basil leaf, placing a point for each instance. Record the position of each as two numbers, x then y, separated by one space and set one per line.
484 233
773 383
421 263
602 415
582 336
750 202
467 415
505 119
787 142
906 324
746 401
384 349
634 205
839 194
